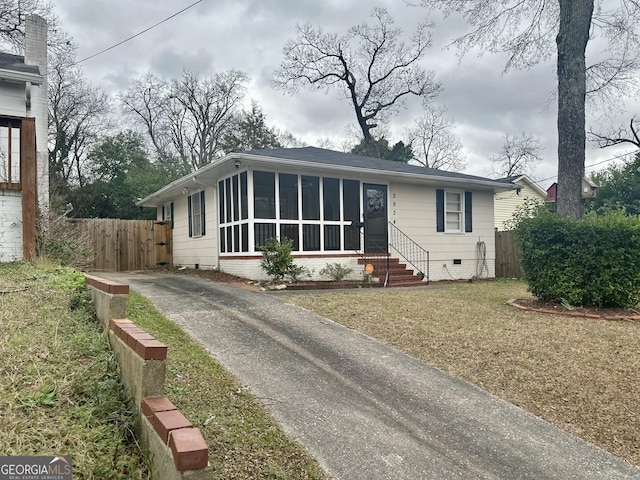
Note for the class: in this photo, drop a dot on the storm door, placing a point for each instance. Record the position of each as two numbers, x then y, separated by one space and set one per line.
375 218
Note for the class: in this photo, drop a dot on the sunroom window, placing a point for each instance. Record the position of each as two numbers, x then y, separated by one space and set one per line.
315 212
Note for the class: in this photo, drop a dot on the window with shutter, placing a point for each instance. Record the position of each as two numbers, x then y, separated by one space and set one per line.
196 211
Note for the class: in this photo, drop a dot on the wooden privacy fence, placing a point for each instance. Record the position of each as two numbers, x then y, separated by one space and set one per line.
121 245
507 256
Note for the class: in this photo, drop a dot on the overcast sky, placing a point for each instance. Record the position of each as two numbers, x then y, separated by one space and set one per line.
248 35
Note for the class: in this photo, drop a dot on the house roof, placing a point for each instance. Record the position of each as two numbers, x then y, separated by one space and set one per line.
13 68
331 157
521 180
319 160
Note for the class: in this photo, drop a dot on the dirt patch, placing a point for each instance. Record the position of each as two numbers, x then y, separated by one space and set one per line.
214 275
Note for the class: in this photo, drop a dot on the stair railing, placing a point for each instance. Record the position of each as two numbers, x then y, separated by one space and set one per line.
408 249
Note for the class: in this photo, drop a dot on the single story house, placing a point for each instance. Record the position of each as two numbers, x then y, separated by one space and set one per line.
506 204
337 208
24 177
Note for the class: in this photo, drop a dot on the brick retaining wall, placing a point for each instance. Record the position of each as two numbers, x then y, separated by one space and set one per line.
176 448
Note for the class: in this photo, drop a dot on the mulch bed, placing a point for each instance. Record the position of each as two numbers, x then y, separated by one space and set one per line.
243 282
559 309
331 285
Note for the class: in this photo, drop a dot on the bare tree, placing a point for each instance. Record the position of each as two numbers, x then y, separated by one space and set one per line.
145 103
186 118
13 14
371 66
619 136
519 155
287 140
78 117
434 143
532 30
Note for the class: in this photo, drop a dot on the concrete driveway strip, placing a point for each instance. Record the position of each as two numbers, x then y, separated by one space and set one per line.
362 408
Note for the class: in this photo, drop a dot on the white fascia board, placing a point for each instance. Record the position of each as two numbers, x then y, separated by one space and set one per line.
403 176
168 192
20 77
532 184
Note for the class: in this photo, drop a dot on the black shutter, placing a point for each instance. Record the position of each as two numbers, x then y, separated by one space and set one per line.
439 210
189 215
162 217
171 215
202 219
468 212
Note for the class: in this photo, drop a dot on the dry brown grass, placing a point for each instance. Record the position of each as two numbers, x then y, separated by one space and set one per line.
579 374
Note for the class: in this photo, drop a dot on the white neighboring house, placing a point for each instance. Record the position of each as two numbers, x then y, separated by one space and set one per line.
337 208
505 204
24 176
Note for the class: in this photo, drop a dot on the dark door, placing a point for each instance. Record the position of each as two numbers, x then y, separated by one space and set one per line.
375 218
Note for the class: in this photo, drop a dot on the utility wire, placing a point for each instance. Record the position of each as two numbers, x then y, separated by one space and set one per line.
615 157
138 34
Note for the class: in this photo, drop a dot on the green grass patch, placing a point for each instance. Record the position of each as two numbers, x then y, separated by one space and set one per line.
59 388
245 442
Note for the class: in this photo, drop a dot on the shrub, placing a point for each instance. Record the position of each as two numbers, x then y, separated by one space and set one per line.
594 261
335 271
297 273
277 260
64 241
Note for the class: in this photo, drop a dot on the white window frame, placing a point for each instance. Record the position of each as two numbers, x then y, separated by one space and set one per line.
167 212
448 211
196 216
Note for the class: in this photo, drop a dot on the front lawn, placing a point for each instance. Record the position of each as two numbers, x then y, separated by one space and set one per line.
579 374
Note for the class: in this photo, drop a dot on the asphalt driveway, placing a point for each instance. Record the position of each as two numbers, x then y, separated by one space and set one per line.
364 409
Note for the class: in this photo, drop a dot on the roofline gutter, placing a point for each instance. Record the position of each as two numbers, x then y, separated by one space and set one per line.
373 171
182 182
20 77
192 177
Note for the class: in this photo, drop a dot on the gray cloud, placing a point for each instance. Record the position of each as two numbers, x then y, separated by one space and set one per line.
249 34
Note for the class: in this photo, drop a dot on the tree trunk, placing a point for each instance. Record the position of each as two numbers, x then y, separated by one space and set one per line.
573 35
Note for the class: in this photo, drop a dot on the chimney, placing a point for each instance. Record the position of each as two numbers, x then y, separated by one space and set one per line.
36 54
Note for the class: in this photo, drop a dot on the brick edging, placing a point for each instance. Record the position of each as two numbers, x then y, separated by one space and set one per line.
514 303
188 446
145 345
108 286
181 441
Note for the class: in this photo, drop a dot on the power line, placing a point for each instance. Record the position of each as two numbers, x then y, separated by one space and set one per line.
139 33
615 157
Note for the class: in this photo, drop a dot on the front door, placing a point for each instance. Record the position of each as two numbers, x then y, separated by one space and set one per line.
375 218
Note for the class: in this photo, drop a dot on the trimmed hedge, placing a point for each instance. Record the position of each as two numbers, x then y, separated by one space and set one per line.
594 261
